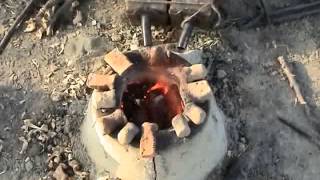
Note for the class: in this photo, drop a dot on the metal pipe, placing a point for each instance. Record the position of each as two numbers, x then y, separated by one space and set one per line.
146 30
185 35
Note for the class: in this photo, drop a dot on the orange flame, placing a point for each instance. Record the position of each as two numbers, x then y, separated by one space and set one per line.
160 85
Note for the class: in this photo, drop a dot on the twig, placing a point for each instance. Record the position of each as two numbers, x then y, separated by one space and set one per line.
22 16
292 82
46 6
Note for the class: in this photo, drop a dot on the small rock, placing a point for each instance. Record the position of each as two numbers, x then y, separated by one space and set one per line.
242 147
56 96
29 165
116 38
94 23
221 74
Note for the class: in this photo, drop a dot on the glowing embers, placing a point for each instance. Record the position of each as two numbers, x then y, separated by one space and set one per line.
152 100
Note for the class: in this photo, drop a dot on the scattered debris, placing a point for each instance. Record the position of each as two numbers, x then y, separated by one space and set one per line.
47 17
292 82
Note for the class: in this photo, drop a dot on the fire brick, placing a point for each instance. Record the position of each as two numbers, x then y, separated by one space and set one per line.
180 126
148 140
118 61
200 91
104 99
127 133
108 124
100 81
196 114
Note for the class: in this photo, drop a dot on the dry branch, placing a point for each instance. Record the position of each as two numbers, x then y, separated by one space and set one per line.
22 16
292 82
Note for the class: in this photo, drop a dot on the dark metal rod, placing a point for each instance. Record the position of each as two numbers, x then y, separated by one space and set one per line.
146 30
185 35
295 12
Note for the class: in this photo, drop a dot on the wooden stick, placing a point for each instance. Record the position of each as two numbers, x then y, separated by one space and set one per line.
292 82
22 16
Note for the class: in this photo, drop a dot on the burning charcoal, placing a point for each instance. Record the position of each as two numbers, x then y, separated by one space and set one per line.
118 61
148 140
180 126
200 91
100 82
196 72
195 113
127 133
108 124
104 100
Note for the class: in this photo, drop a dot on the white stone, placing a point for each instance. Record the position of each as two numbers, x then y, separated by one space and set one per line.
127 133
200 91
194 113
180 126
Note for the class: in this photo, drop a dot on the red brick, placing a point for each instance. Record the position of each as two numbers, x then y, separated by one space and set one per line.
117 61
148 140
100 82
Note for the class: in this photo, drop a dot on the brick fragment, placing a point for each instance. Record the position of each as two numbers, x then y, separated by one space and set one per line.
196 114
117 61
148 140
200 91
180 126
108 124
127 133
104 99
100 81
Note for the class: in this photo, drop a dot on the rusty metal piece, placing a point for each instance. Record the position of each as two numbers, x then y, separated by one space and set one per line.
148 140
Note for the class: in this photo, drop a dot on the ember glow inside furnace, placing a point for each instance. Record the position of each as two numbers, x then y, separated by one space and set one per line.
152 99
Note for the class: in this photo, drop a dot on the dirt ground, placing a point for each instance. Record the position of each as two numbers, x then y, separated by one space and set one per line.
270 135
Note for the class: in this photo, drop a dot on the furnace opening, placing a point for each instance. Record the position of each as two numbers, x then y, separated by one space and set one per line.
152 100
